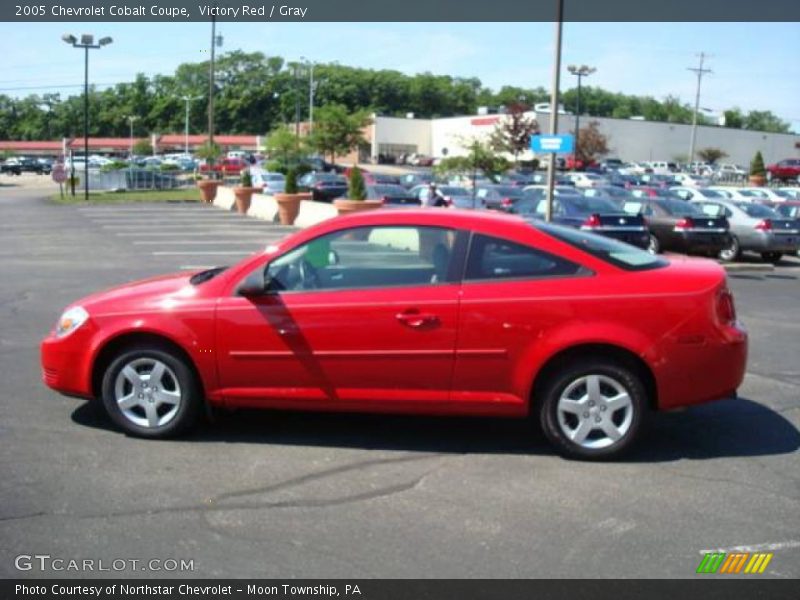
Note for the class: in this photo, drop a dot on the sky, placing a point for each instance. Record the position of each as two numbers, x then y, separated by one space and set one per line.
755 65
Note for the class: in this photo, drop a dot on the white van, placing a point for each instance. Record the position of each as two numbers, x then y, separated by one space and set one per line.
662 167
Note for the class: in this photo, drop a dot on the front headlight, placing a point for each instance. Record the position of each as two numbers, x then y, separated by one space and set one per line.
71 320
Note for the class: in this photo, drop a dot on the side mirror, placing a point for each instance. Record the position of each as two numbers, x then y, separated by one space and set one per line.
254 285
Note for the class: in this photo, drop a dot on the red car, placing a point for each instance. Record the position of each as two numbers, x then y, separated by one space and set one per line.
228 166
785 170
414 311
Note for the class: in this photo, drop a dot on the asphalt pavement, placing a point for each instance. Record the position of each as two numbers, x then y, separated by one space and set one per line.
277 494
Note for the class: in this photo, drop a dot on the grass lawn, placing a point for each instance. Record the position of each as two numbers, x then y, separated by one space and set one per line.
188 194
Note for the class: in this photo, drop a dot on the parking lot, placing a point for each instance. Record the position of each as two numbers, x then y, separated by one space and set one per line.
268 494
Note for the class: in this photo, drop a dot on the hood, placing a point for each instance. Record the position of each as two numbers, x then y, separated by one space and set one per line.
145 293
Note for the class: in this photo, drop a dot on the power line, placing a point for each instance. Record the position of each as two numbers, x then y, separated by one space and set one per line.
700 71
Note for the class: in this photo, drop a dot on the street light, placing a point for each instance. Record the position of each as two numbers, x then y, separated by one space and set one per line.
187 99
87 43
580 73
131 119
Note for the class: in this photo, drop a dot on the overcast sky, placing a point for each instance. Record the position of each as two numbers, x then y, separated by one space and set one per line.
755 64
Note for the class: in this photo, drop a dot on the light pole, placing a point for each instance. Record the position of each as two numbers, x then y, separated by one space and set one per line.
699 71
311 89
216 40
187 99
131 119
580 73
87 43
551 173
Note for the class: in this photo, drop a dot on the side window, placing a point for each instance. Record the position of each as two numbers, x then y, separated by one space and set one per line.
366 257
495 258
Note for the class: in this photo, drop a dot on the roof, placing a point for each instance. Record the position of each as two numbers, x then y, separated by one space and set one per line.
121 143
23 146
225 140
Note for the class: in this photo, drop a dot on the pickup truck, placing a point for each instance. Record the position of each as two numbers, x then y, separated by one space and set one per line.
785 170
227 166
17 166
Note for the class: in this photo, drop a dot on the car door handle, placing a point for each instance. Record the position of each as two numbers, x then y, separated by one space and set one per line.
416 319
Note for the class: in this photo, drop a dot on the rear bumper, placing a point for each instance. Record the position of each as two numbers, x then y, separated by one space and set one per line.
702 368
692 241
786 244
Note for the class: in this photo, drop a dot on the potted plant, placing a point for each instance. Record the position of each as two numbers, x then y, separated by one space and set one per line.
758 174
244 192
208 186
356 195
289 201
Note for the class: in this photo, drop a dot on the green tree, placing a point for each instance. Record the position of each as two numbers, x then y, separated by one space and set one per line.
764 120
757 165
143 148
734 118
480 159
282 147
336 131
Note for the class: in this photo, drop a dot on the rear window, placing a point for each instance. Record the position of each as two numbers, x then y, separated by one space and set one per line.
757 210
611 251
679 207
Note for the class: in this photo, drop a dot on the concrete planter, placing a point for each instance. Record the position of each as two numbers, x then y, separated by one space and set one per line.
243 197
289 206
208 189
758 180
346 206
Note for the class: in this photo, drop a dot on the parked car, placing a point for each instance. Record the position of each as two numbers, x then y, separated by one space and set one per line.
657 180
455 196
24 164
689 180
789 209
10 167
691 193
227 166
392 194
324 187
785 170
270 183
760 194
410 180
645 191
597 215
729 170
792 192
754 228
729 193
517 318
612 192
678 226
499 197
586 180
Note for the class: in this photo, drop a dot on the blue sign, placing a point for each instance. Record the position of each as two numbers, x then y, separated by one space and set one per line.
559 144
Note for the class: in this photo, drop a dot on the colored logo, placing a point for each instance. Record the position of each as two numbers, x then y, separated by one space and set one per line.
734 563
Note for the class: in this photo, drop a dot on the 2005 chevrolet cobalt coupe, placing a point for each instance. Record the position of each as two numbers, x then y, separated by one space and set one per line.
414 311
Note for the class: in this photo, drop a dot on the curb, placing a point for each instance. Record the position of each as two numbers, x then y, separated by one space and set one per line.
748 267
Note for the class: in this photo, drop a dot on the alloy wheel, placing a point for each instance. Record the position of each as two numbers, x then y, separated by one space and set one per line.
147 393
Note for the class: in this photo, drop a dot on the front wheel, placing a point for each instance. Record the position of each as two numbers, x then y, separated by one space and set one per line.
773 257
593 410
151 392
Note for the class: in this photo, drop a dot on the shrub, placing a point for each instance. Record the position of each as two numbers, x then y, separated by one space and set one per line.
276 166
757 165
355 185
291 182
245 178
116 165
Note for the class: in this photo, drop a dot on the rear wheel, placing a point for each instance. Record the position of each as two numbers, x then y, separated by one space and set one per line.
593 410
773 257
732 251
653 246
150 392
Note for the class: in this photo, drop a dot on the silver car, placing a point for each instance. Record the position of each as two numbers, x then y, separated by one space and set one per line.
271 183
754 227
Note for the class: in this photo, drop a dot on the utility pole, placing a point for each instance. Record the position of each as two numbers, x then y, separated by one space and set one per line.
211 83
551 173
296 103
187 100
700 71
311 99
580 73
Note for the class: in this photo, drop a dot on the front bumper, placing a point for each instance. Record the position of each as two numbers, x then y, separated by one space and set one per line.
66 362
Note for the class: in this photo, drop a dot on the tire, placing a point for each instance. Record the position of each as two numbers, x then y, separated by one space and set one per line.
773 257
151 411
569 411
732 251
654 246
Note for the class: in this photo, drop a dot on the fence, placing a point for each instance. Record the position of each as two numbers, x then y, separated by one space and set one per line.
134 179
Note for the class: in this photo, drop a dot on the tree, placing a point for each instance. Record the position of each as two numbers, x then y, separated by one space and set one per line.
336 131
711 155
734 118
282 147
591 143
513 134
209 152
764 120
143 148
479 160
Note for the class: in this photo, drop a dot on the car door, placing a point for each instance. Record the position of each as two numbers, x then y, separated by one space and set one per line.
512 293
364 316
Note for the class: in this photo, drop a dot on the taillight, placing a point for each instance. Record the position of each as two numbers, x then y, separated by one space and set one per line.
684 224
726 309
764 225
592 221
385 199
506 202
